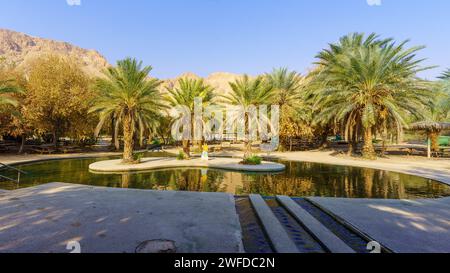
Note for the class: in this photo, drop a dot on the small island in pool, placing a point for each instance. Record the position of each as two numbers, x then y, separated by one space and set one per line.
233 164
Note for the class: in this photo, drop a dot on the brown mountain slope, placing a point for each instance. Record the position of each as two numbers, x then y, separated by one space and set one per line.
219 80
19 49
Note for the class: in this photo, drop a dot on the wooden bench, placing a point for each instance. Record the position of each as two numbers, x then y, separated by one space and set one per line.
43 149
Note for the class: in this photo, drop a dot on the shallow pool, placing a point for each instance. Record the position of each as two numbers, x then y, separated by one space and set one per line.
300 179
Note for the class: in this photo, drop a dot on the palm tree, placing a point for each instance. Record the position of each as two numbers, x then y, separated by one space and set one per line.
127 93
7 89
438 115
247 92
445 75
162 128
184 95
289 87
369 84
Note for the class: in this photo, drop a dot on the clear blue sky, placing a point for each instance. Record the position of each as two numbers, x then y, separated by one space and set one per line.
240 36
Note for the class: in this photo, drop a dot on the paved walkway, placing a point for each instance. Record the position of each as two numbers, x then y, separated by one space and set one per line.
403 226
168 162
45 218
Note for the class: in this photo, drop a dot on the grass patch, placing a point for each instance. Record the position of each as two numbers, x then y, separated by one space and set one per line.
137 157
252 160
182 156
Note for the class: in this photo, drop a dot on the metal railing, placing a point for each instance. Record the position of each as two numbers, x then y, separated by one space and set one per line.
19 172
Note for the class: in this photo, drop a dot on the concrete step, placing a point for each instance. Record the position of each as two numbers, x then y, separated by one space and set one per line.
327 238
276 233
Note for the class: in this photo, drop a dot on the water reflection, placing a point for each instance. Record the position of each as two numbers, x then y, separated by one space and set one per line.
299 179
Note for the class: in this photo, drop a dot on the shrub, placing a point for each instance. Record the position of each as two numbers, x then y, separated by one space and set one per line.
252 160
182 156
156 142
137 157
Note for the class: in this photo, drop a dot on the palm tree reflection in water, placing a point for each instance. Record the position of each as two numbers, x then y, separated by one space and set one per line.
299 179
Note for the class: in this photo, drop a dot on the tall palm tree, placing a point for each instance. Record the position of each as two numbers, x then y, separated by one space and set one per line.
247 92
7 89
369 83
445 75
184 95
439 112
289 88
127 93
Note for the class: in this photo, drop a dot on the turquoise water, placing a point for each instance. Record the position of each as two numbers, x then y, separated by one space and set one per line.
299 180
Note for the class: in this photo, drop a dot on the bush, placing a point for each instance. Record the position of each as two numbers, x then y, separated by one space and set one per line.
156 142
252 160
182 156
137 157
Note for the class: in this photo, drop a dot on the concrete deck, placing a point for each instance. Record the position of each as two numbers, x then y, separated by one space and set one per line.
166 163
403 226
45 218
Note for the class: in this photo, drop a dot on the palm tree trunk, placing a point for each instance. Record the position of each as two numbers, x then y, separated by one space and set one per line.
248 149
116 134
350 148
248 142
113 131
128 137
434 136
22 143
352 143
55 137
368 150
324 137
187 147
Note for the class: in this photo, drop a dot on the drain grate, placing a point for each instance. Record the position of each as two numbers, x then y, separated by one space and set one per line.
253 236
302 239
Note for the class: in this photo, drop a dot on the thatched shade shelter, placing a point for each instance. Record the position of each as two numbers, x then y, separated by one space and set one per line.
430 126
433 130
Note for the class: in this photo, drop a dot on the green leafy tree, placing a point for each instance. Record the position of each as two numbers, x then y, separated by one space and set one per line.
367 84
290 89
131 97
184 94
57 98
439 112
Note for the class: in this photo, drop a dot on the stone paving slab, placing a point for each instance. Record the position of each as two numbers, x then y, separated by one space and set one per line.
333 243
404 226
274 229
44 219
165 163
